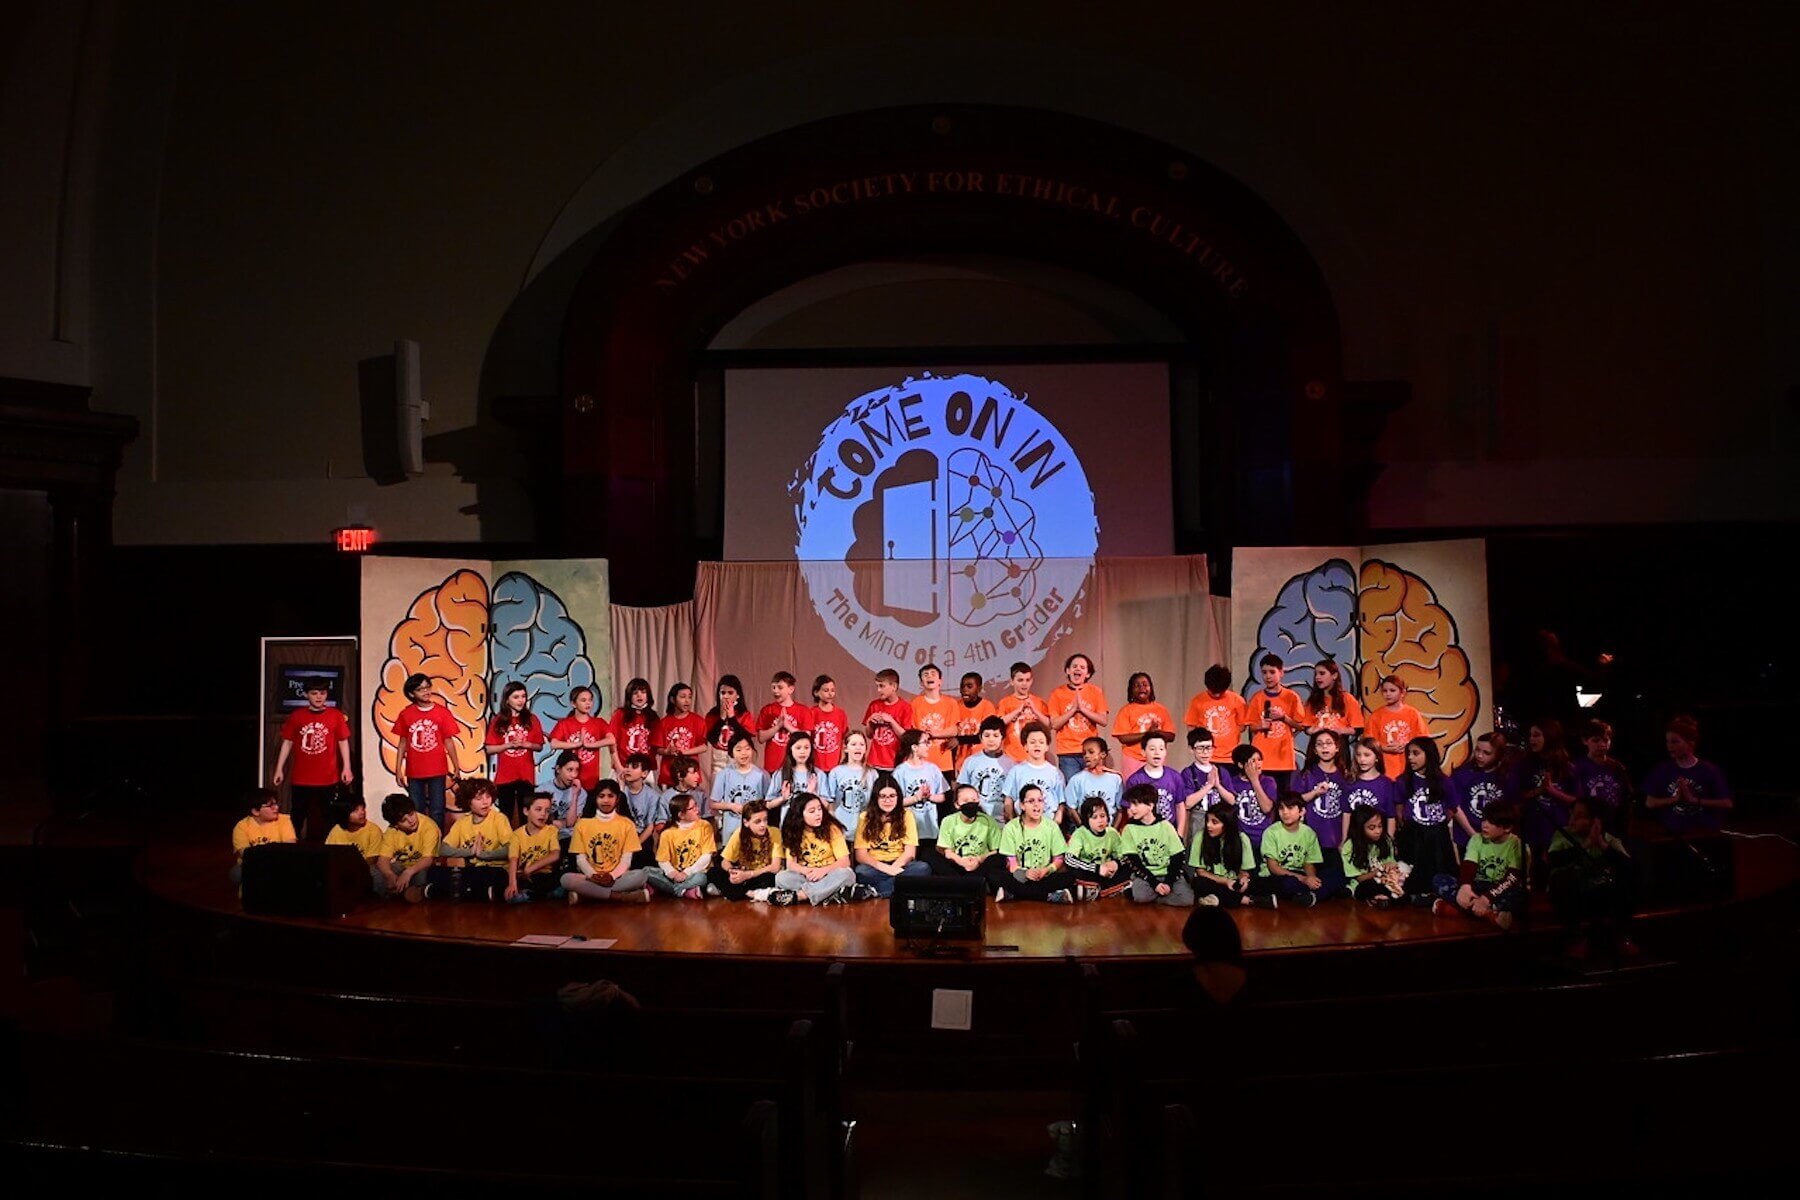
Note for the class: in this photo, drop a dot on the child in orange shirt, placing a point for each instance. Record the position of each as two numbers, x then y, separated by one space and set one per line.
1331 706
1274 715
973 708
1077 711
1219 711
935 714
1393 725
1139 716
1020 708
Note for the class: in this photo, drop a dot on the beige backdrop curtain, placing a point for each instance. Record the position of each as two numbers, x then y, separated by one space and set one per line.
655 644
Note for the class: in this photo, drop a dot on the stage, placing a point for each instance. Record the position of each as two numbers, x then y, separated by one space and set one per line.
192 874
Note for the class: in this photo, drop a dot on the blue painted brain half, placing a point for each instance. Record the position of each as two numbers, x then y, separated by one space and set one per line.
1313 618
537 643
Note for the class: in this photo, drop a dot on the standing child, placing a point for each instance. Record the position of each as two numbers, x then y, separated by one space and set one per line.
264 825
1370 786
830 724
634 726
746 870
971 710
585 735
1600 777
1684 791
1480 782
986 770
780 719
886 718
1427 800
1275 713
424 730
1330 706
969 841
1222 859
1150 851
1036 771
1491 882
533 855
1322 785
1201 778
1393 725
1094 852
935 714
1019 708
1252 792
680 733
818 861
408 848
796 773
850 782
1371 865
1094 781
921 783
357 830
603 845
1137 718
1220 711
514 737
318 739
1545 787
1033 847
644 803
724 721
737 783
684 852
887 839
1165 781
1077 712
1291 859
471 858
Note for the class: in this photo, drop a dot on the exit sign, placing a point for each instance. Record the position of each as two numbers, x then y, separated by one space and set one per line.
353 539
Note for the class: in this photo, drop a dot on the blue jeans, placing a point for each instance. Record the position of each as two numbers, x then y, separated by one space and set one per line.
882 882
1070 765
428 797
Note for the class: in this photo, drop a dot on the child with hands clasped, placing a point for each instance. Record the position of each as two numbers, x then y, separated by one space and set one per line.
1222 859
887 839
533 855
1077 712
471 859
603 845
1371 865
921 783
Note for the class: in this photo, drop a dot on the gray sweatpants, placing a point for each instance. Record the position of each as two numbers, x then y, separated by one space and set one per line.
828 886
630 881
1181 893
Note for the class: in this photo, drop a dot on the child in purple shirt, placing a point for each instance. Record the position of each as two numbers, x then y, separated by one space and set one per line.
1478 783
1369 786
1685 792
1322 785
1600 777
1251 791
1171 790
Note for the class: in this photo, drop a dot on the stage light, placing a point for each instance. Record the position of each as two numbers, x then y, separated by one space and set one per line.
1586 699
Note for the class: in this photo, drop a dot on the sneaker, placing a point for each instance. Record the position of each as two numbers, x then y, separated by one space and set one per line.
782 897
1306 899
1117 889
760 895
1379 901
1503 919
1062 897
1263 901
712 891
520 897
1085 891
862 891
574 898
1208 901
414 893
999 895
693 894
1442 908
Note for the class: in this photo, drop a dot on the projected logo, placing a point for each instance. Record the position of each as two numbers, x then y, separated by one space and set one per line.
945 520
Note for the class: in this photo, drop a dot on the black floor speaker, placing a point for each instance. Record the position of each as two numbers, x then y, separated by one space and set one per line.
286 880
938 906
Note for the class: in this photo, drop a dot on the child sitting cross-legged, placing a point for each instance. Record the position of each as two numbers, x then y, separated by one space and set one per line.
1150 850
1221 858
1033 847
603 845
533 855
1291 858
746 869
684 851
1094 853
1373 871
408 848
1491 882
265 824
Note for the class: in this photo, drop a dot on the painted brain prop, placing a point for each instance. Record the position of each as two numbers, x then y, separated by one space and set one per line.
538 644
444 636
1406 632
994 554
1313 618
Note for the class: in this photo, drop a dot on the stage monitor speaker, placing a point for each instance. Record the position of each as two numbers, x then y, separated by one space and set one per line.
938 906
282 879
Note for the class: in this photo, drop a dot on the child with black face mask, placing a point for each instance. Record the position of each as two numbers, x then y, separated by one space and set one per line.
969 841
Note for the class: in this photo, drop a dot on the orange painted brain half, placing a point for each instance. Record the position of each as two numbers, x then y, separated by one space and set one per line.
443 635
1406 632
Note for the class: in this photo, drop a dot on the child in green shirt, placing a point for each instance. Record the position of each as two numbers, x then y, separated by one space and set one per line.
1033 848
1094 852
1222 858
1150 850
1491 883
969 841
1371 867
1291 858
1593 881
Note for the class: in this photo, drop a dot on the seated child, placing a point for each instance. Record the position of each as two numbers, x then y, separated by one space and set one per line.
471 859
887 837
1201 778
1593 882
603 845
1371 866
1491 882
1094 854
408 849
1033 847
1150 849
266 823
818 861
969 841
684 851
1222 858
746 870
534 855
357 830
1291 859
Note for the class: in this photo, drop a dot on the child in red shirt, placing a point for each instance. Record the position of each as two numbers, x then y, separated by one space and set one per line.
514 737
779 719
830 724
887 717
634 726
679 734
585 734
424 730
318 739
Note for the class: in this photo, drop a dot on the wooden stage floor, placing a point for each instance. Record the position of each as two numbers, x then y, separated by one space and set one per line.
193 873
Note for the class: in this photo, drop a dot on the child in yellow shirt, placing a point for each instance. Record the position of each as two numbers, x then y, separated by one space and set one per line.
357 831
603 845
752 856
533 855
265 824
471 860
408 849
684 851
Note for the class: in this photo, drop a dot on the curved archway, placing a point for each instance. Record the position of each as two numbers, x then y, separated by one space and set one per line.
1218 262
